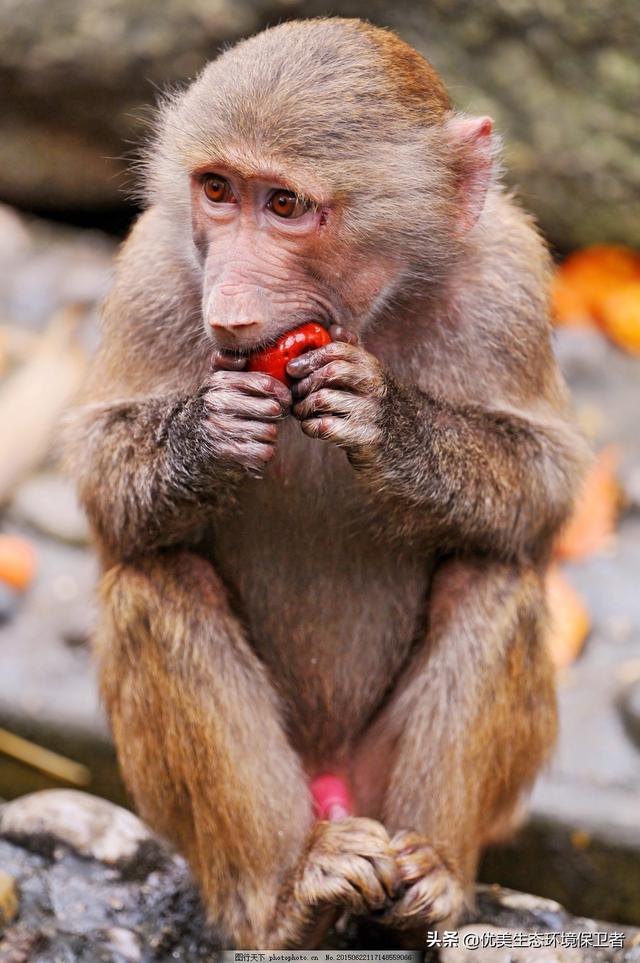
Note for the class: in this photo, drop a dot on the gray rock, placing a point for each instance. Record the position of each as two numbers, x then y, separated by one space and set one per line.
132 900
629 705
44 267
96 887
9 600
560 78
604 386
93 827
48 503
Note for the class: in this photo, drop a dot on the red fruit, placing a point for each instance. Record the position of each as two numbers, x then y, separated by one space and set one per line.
274 360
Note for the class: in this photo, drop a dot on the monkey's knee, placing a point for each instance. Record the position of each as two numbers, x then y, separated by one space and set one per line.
166 601
179 580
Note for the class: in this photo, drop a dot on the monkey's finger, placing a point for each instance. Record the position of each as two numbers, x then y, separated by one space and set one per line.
339 333
225 361
362 874
265 431
230 428
327 428
251 455
240 405
351 433
355 375
335 351
327 402
251 383
255 456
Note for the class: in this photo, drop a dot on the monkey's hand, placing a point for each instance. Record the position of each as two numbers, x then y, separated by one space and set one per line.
348 863
339 395
243 409
429 889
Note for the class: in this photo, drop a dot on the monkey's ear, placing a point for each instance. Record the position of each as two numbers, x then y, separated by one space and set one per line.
473 151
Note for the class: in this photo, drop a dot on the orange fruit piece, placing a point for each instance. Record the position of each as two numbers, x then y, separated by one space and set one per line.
569 621
619 315
586 278
17 562
596 511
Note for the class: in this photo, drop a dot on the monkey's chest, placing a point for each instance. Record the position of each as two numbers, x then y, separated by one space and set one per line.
331 610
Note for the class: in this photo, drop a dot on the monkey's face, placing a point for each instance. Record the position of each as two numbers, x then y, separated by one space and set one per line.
271 260
321 173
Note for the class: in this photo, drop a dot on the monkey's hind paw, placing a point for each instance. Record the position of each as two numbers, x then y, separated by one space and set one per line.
349 863
429 890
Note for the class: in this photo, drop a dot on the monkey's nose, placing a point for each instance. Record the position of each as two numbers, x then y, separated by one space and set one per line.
235 329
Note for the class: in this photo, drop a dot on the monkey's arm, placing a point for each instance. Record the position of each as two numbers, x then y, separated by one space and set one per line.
151 470
498 481
161 439
145 470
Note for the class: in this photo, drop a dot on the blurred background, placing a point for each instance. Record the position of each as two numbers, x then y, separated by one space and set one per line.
562 80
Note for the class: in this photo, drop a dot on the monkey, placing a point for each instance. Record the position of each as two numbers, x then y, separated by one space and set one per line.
342 574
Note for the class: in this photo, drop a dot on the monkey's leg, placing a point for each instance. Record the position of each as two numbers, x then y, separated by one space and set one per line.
204 753
464 733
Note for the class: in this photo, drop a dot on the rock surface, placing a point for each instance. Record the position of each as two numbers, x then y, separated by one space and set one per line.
75 899
94 886
583 844
48 503
561 79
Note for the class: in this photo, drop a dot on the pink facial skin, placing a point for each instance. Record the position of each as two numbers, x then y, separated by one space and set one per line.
259 278
265 274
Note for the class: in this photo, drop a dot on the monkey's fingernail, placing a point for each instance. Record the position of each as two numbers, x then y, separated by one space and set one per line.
299 366
340 333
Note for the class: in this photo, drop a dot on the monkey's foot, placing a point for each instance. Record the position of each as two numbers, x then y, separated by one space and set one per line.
428 888
349 864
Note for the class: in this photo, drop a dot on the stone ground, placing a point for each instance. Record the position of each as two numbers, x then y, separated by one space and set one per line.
84 881
582 844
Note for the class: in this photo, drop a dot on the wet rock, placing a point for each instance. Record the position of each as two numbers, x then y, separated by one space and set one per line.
603 381
96 886
44 267
93 827
81 902
18 943
513 927
581 352
9 601
629 705
48 503
124 943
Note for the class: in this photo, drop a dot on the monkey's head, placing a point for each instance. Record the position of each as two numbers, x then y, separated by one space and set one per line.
319 171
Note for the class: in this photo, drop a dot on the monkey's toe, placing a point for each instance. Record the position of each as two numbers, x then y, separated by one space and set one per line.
349 863
429 890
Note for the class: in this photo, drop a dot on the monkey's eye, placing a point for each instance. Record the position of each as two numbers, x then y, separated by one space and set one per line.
217 189
287 204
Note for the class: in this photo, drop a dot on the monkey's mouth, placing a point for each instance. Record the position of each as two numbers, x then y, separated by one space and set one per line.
244 351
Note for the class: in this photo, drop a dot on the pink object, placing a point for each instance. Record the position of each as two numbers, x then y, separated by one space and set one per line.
331 797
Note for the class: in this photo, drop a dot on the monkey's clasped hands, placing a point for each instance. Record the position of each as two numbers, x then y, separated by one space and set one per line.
337 398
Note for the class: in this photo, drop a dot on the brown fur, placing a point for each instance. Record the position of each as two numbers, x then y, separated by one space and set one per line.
379 614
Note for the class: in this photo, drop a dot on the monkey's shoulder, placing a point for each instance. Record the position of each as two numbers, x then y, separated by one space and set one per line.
491 334
151 318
